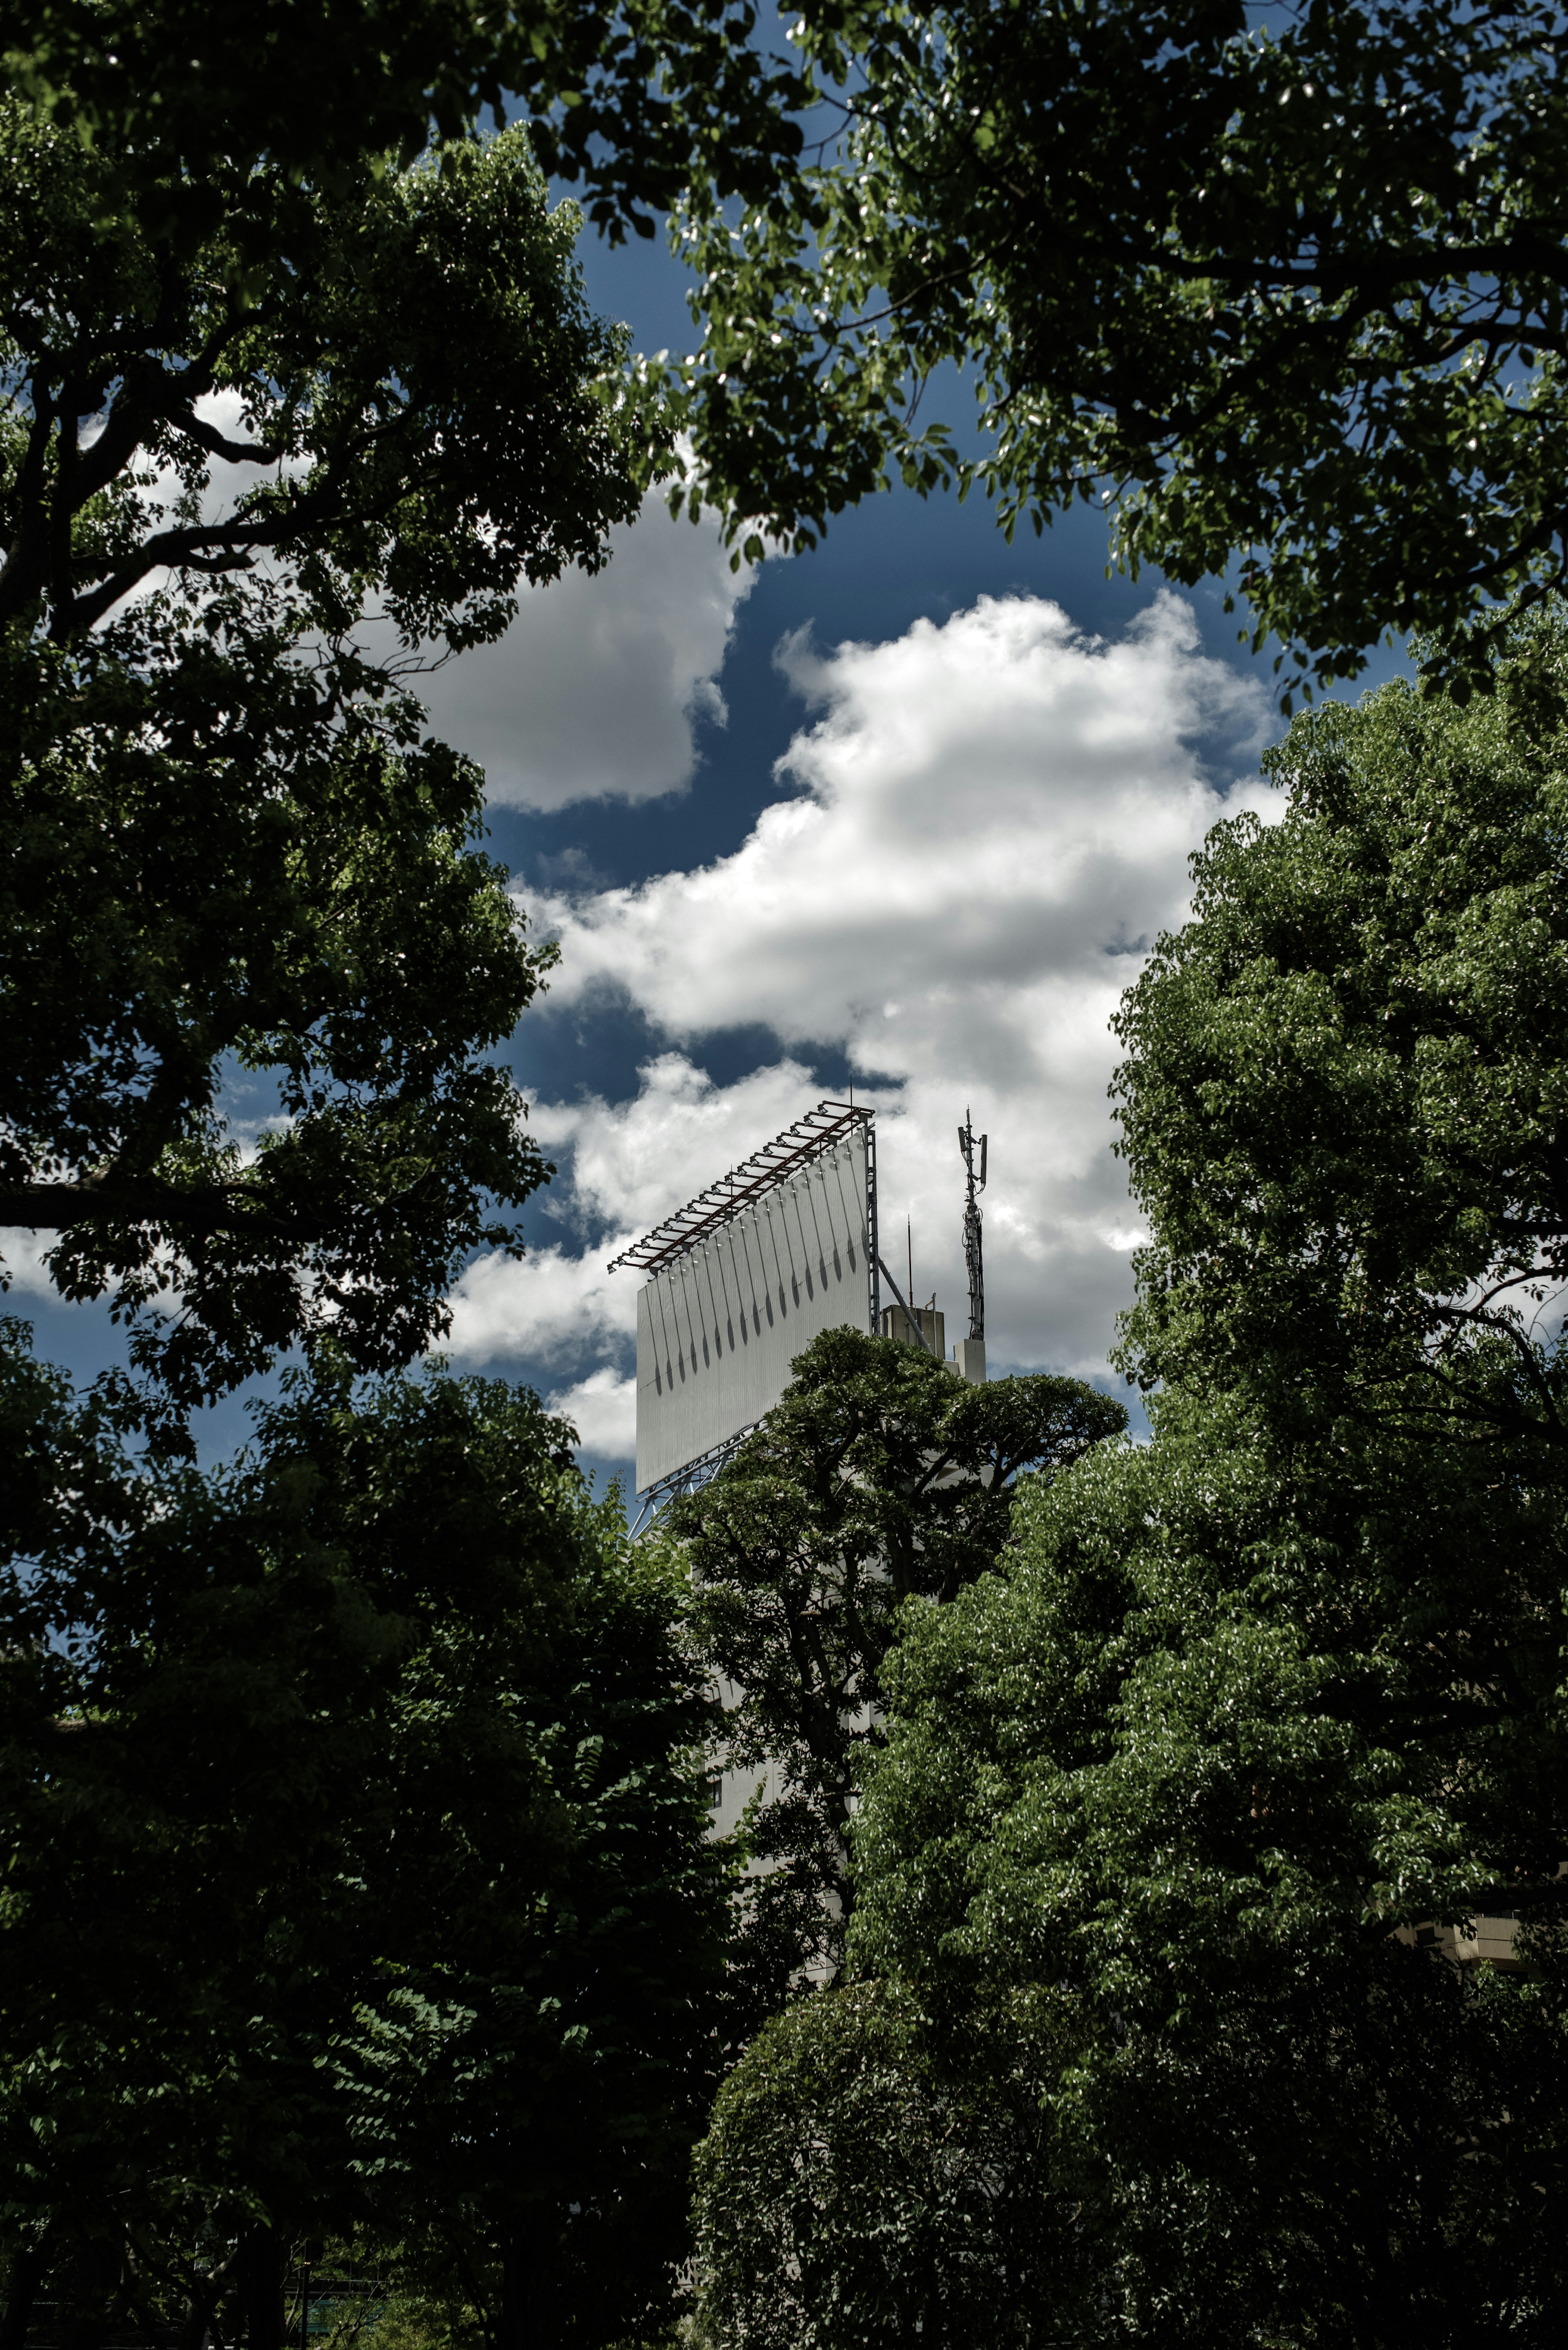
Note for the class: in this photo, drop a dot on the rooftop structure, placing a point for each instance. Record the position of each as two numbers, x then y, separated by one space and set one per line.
819 1131
745 1276
742 1280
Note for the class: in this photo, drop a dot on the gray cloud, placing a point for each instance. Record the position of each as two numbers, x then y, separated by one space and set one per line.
594 690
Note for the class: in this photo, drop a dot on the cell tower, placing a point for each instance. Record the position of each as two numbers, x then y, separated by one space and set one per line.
972 1255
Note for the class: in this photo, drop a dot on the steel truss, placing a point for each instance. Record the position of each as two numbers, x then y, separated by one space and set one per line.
655 1499
811 1136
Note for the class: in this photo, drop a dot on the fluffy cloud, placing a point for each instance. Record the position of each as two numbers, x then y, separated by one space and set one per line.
634 1163
989 823
595 688
22 1260
554 1304
991 804
603 1410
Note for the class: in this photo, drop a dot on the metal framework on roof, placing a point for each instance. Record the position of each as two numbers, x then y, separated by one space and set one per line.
811 1136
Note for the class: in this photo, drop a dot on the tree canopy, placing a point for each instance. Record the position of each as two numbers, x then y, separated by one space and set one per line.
1187 1812
230 853
1285 290
854 2188
359 1869
618 96
1346 1097
878 1475
1209 1764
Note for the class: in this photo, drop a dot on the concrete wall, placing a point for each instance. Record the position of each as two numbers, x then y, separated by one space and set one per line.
718 1330
932 1325
967 1357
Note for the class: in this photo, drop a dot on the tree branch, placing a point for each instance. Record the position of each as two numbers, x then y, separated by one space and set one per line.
147 1199
218 445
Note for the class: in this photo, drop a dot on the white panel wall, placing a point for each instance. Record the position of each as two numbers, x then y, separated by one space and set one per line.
718 1330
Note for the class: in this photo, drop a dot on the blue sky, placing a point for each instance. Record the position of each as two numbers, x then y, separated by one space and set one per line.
903 811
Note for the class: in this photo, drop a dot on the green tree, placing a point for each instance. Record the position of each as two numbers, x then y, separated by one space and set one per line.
1286 292
228 848
876 1476
618 96
1344 1105
1229 1733
1245 1717
359 1873
857 2190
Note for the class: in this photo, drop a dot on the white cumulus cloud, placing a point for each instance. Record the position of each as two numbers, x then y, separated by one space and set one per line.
978 835
633 1163
603 1410
22 1255
551 1305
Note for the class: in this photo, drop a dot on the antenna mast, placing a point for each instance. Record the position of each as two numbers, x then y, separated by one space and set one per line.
971 1240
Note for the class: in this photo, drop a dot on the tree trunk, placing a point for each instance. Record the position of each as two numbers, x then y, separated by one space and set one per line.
26 2275
528 2284
258 2270
89 2292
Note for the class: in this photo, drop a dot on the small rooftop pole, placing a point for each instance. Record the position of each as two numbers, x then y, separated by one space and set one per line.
972 1236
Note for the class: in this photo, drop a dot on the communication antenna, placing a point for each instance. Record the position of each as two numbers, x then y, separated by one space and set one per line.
973 1256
